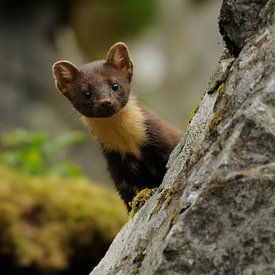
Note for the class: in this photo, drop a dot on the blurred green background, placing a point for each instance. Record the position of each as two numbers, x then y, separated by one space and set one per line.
58 208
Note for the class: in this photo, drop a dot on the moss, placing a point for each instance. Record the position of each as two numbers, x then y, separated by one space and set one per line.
139 258
193 113
140 199
136 271
217 118
164 199
158 206
221 114
53 224
174 215
221 88
168 197
138 261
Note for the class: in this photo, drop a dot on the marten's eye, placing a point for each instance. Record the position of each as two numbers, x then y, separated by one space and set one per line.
87 94
115 87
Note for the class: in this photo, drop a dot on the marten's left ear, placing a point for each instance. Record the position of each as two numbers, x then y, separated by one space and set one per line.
119 57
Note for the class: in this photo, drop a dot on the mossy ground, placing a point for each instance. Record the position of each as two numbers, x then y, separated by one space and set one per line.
51 225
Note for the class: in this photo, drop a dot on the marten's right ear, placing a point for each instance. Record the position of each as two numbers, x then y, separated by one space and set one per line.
64 73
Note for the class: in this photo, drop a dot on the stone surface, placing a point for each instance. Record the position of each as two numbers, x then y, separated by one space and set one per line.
215 210
240 20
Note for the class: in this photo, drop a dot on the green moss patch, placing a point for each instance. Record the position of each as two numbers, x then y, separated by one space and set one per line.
217 118
50 224
221 113
221 88
194 112
164 199
140 199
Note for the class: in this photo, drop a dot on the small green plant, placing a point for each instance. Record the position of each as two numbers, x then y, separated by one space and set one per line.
34 153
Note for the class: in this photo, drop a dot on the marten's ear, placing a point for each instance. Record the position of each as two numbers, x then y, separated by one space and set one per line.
119 57
64 73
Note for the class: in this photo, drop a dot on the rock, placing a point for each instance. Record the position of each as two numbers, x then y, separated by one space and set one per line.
241 19
215 210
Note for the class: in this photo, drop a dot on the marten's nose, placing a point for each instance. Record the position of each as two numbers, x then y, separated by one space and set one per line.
105 103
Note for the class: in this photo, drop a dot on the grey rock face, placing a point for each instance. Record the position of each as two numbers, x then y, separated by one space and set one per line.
215 210
241 19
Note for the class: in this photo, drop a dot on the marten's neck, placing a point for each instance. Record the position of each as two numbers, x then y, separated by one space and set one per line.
123 132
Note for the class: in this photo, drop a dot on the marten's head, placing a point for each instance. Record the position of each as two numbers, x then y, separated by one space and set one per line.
100 88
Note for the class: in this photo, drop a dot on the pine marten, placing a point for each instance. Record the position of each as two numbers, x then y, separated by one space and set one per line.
134 140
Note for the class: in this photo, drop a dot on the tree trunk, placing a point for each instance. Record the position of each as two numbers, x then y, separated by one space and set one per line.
215 210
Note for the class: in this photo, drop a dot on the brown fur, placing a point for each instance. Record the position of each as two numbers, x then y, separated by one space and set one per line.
135 141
